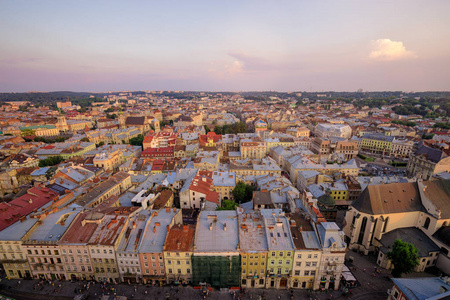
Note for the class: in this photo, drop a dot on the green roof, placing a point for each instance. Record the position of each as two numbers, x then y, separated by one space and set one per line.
37 126
326 200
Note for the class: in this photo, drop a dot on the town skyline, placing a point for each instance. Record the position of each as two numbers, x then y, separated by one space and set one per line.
228 47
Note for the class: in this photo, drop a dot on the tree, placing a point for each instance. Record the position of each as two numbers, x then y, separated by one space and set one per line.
242 192
51 161
217 129
227 205
404 256
137 141
206 129
85 139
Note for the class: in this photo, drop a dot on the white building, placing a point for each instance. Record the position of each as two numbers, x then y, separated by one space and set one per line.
333 130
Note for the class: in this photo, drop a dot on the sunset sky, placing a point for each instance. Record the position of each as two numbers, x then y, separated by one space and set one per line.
224 45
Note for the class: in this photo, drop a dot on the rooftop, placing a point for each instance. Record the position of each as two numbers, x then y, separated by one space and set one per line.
252 235
217 231
277 230
156 230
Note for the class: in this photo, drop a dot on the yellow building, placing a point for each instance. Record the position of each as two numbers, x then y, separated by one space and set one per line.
253 246
377 143
224 183
108 160
253 148
12 255
284 142
40 130
178 249
280 249
299 132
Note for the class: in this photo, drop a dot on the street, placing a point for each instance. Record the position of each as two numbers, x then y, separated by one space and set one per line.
372 285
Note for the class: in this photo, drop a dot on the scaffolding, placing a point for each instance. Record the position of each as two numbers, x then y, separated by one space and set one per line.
219 271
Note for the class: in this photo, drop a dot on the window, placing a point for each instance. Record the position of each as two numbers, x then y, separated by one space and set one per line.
281 253
273 253
297 273
299 256
306 273
188 271
298 264
427 223
314 264
363 229
313 273
280 262
315 255
309 256
288 254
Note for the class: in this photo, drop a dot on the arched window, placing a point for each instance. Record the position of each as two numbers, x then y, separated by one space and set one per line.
427 223
373 231
385 224
362 230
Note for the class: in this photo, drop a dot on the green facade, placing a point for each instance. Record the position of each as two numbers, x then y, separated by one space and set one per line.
219 271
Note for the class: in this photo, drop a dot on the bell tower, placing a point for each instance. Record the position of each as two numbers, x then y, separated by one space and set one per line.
62 123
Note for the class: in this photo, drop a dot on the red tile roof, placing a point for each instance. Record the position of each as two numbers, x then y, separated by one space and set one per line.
16 209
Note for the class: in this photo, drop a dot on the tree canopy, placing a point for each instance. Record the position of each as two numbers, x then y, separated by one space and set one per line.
51 161
404 256
227 205
137 141
238 127
242 192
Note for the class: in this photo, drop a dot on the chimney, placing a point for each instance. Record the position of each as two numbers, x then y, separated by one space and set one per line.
186 228
225 227
210 226
134 224
167 209
168 228
174 209
154 229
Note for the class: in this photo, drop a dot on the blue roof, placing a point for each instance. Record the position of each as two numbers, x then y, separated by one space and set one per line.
40 171
421 288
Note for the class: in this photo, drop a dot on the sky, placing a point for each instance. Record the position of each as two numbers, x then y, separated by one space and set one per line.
98 46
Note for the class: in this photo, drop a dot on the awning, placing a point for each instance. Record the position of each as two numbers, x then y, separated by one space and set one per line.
348 276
